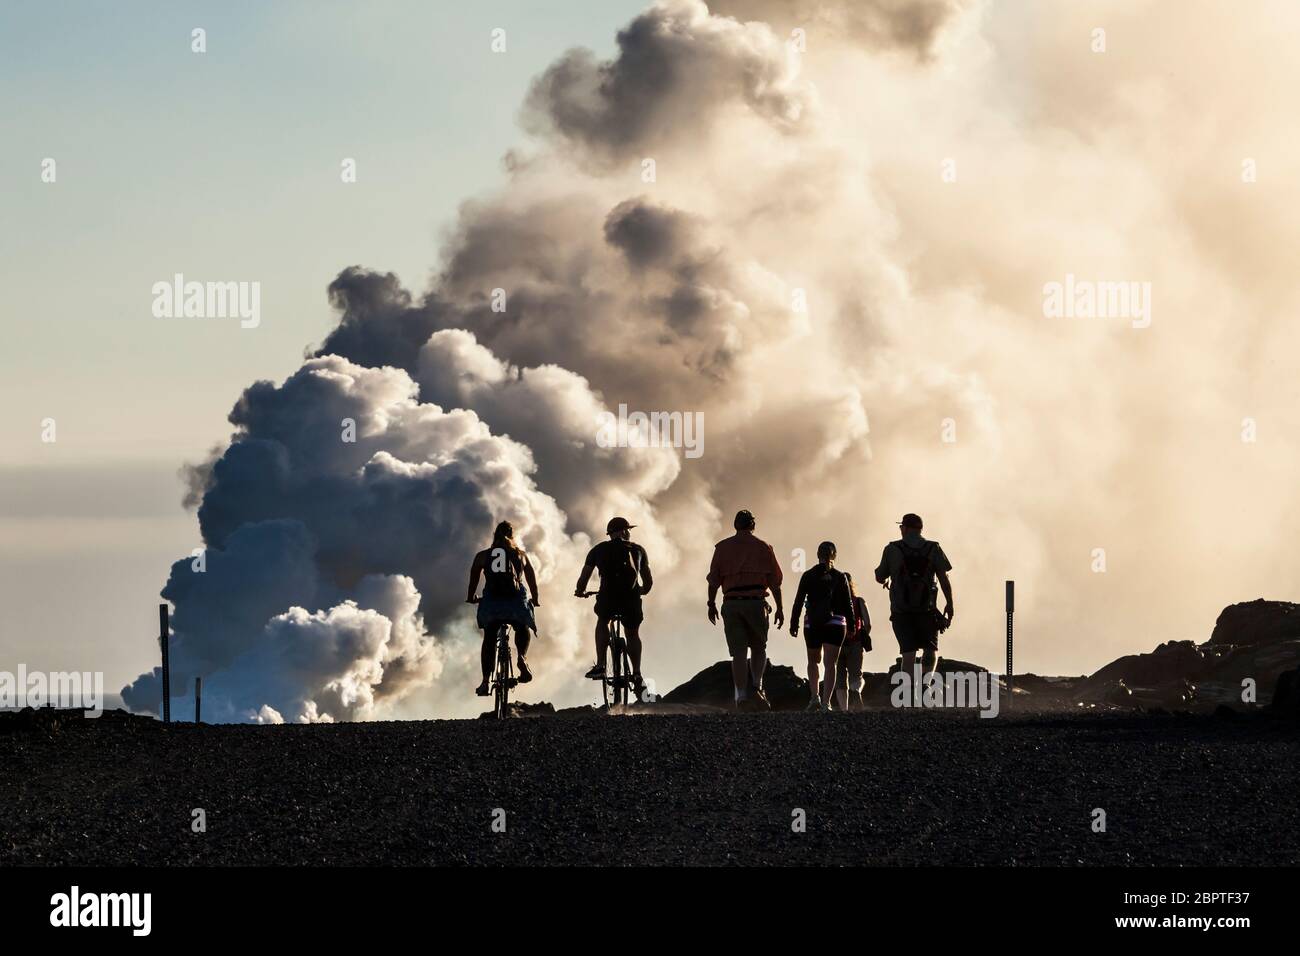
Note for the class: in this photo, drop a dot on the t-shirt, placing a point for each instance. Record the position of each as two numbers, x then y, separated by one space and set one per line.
891 565
826 591
622 565
744 565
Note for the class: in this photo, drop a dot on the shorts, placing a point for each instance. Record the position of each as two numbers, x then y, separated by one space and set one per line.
627 605
832 632
916 632
745 624
515 610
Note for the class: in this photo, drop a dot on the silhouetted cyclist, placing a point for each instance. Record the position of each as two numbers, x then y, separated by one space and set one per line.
911 565
624 577
505 569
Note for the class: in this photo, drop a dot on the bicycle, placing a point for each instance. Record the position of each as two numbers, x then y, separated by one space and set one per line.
621 680
504 676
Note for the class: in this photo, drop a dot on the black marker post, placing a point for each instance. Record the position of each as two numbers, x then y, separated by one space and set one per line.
1011 609
163 630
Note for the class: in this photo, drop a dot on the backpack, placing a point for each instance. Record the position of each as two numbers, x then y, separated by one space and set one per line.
864 618
917 591
863 632
821 596
621 573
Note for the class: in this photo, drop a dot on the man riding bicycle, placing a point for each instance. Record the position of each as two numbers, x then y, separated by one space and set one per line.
505 568
624 578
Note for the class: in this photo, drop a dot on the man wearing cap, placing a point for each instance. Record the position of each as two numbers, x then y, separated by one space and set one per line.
746 569
624 577
911 565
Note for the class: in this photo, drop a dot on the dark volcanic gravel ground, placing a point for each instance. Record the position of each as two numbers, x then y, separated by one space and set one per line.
877 788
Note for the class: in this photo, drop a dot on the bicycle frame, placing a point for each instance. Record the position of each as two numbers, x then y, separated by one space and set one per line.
504 675
619 676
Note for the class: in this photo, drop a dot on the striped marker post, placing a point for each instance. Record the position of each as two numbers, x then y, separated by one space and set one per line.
163 629
1011 610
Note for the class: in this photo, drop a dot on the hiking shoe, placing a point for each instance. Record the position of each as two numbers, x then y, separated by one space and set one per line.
814 703
597 672
482 689
760 700
525 675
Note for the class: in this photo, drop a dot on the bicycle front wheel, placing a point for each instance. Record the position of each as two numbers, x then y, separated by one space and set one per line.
618 653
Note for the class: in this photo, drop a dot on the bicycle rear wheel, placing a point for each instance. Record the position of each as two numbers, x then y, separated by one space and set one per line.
504 674
629 681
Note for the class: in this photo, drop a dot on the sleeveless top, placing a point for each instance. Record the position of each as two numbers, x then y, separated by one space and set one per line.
503 572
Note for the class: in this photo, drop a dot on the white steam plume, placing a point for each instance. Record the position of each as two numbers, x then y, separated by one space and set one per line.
784 178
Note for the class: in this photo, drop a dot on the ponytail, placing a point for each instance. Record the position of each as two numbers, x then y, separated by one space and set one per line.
504 537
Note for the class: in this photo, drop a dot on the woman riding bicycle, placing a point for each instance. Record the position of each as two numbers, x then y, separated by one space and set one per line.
506 569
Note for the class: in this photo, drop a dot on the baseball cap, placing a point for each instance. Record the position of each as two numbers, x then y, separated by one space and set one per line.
617 524
912 521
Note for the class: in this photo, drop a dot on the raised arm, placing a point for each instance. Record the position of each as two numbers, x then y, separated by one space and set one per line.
647 579
530 576
583 578
475 570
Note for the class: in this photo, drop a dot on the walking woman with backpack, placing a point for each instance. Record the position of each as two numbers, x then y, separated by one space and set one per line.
828 620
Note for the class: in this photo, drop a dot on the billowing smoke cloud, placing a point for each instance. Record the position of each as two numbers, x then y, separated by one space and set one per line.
677 69
838 257
910 26
336 525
